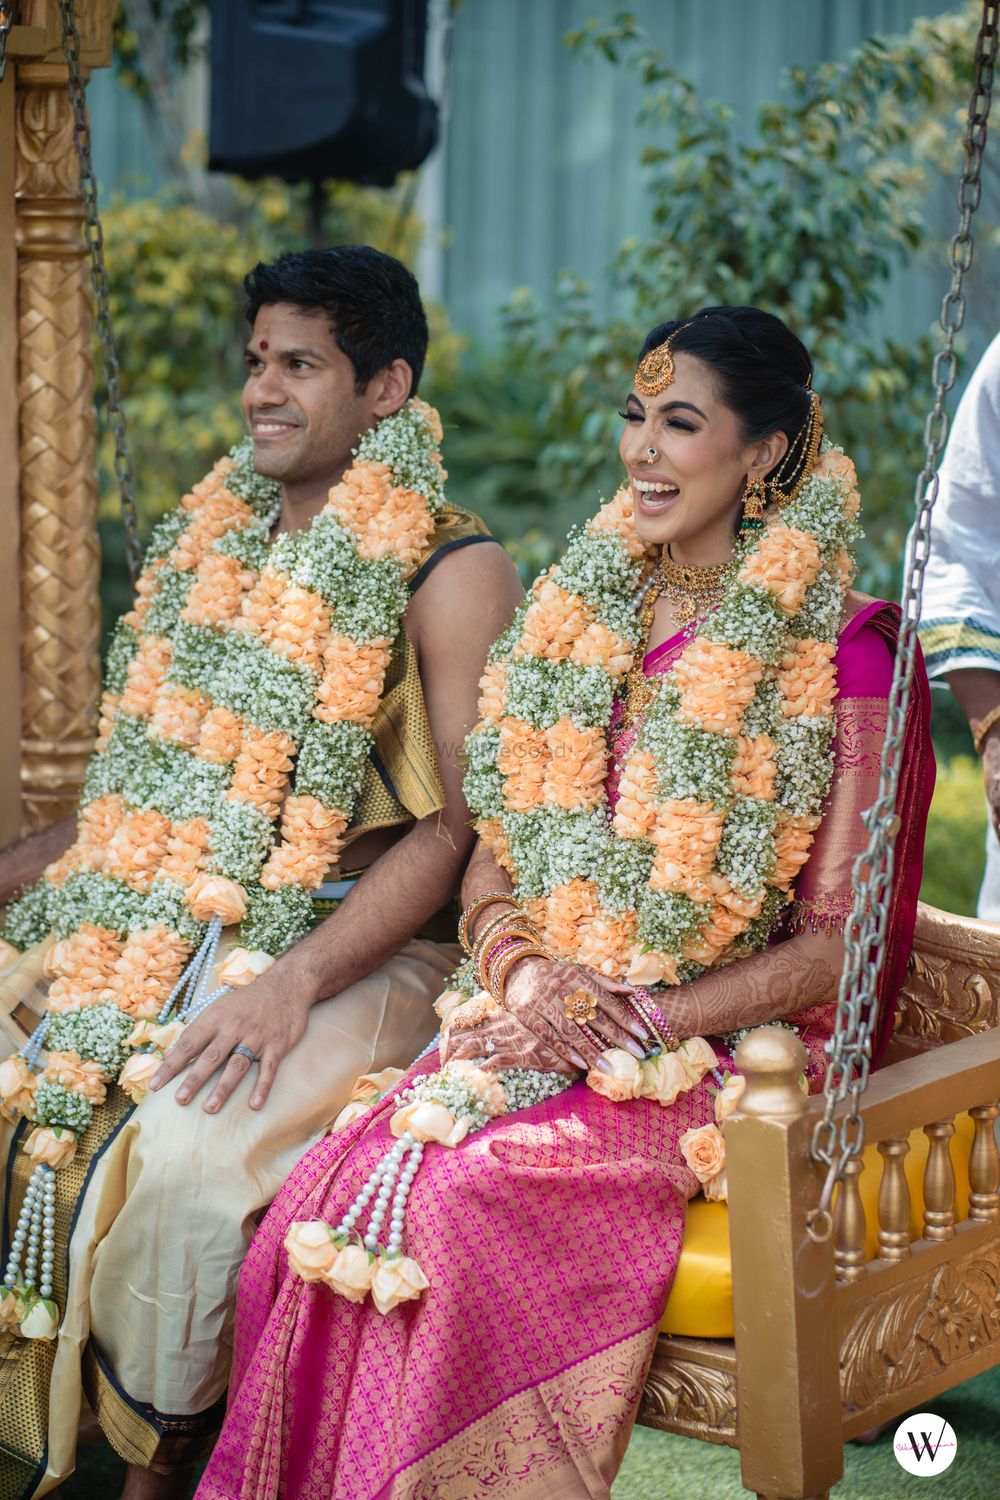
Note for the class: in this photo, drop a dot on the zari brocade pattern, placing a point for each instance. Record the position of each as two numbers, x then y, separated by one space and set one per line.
487 1385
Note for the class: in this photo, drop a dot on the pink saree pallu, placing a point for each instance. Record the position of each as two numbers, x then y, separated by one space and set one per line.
550 1238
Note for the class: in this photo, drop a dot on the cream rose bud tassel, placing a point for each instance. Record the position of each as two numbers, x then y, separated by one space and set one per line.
318 1252
443 1108
661 1077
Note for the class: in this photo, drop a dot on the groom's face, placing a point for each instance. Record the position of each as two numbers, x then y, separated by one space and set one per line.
299 399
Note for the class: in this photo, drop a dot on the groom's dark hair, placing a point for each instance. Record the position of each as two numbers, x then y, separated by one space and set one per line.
371 300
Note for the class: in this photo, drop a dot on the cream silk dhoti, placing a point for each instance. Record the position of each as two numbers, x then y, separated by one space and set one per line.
158 1220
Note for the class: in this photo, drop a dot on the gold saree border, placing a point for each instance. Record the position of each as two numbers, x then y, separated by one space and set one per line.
559 1440
137 1432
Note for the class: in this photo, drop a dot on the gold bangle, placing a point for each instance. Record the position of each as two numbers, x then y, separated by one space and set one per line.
983 728
475 905
521 931
498 924
499 979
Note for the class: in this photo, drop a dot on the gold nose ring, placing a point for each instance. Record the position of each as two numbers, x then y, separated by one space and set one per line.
650 455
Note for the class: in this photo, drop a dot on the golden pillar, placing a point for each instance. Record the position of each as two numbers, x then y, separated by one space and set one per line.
59 562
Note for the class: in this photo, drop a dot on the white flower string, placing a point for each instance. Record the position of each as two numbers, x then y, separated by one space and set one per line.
235 730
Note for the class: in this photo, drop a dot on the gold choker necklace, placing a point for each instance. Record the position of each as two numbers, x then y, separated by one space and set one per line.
692 591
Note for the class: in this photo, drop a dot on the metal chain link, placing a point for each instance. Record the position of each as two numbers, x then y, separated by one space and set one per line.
835 1142
7 17
99 282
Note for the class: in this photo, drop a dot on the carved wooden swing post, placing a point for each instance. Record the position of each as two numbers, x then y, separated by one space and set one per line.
49 561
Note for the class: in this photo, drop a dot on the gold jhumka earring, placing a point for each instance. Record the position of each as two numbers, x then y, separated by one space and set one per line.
754 499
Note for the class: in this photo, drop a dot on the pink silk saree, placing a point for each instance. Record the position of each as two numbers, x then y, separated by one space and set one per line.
550 1238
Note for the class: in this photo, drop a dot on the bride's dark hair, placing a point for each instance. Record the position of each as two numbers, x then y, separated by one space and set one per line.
762 370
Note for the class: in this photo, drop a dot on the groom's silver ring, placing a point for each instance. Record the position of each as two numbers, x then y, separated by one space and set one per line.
247 1052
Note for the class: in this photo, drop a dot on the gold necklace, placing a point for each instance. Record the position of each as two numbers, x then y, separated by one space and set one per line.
638 689
692 591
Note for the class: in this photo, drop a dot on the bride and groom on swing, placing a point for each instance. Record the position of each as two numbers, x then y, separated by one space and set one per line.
653 824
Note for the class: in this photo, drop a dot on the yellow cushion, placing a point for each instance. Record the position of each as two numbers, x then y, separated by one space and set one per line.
701 1299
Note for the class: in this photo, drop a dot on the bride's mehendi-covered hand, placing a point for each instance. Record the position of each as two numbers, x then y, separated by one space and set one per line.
502 1042
535 993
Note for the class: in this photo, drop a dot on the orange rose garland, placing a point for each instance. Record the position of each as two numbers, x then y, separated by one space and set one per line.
235 730
720 793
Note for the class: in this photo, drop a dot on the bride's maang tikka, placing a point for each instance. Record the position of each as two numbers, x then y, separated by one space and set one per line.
656 369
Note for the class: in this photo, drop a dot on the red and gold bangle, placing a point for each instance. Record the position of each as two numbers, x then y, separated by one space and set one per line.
498 950
490 898
502 927
646 1010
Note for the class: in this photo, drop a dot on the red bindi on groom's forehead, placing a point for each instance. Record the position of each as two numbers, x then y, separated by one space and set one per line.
263 343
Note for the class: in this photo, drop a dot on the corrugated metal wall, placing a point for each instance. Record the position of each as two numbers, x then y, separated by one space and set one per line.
540 162
541 153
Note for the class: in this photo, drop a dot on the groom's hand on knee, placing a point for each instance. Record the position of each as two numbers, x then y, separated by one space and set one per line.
254 1027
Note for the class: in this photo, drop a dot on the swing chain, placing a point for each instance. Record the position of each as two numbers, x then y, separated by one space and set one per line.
835 1142
99 282
7 18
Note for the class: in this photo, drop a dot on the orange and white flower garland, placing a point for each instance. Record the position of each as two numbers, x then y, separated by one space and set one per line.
723 789
235 727
719 800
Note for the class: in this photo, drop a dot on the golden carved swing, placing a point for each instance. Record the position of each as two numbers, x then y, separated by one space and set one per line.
830 1338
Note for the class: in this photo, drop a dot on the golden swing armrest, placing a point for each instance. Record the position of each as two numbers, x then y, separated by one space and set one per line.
823 1328
952 984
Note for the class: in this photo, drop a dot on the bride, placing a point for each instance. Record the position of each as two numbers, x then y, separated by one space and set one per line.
458 1291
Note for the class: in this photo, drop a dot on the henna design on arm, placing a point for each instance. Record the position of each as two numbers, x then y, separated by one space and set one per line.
800 972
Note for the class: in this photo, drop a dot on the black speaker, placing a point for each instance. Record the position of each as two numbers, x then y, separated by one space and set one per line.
314 89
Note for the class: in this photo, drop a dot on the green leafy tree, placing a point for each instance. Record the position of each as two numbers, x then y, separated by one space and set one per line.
806 215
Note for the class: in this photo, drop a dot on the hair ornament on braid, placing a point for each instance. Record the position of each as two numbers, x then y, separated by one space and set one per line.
801 456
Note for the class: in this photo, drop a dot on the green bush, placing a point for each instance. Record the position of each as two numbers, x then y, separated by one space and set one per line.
956 829
805 214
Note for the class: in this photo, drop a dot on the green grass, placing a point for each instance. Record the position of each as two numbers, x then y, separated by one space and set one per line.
953 856
659 1466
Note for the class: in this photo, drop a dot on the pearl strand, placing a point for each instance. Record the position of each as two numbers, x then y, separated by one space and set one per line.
381 1185
33 1046
188 979
209 948
34 1233
398 1213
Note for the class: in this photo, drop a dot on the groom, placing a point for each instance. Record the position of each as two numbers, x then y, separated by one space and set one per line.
168 1202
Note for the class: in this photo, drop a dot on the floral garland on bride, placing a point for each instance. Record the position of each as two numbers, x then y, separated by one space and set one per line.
722 791
720 796
234 732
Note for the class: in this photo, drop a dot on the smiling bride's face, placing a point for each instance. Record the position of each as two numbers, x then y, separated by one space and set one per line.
687 492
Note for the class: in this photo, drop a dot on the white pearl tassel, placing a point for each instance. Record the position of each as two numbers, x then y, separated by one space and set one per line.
34 1237
389 1184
